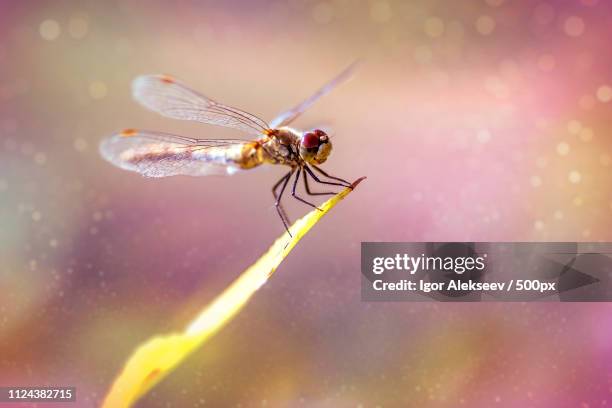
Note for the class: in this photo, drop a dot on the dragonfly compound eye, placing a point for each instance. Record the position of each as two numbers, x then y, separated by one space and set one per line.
310 140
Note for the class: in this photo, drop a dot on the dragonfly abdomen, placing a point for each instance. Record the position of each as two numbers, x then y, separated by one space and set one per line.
242 155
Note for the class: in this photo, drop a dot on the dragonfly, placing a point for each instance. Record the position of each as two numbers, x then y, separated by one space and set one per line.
159 154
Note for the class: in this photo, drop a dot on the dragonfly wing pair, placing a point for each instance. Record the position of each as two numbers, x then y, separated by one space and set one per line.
285 118
156 154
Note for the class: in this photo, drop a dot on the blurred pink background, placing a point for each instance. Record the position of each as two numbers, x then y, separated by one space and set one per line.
473 120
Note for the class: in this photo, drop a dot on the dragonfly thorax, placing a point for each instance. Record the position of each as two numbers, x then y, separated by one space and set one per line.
292 147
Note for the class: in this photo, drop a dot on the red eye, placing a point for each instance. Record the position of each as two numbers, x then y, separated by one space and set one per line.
323 138
310 140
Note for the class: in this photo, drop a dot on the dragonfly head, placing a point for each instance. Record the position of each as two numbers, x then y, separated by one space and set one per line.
315 146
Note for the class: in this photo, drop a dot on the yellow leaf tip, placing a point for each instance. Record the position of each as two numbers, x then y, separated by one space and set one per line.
356 182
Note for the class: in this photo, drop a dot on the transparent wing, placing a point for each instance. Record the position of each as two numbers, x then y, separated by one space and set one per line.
289 116
171 98
157 154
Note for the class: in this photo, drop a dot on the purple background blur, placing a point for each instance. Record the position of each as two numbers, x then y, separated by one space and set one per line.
473 120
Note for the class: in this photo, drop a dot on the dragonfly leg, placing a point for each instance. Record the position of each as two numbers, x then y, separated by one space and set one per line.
307 187
297 177
274 188
320 170
318 180
277 204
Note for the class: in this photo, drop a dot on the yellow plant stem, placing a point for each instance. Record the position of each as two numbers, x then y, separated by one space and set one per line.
158 356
